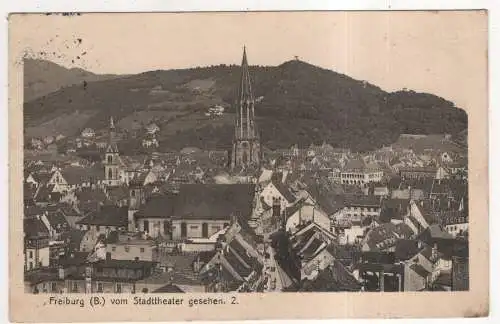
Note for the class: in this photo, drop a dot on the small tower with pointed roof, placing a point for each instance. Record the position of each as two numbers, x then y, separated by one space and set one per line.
112 159
246 143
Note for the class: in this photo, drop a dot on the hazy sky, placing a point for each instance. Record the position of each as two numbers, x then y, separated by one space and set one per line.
442 53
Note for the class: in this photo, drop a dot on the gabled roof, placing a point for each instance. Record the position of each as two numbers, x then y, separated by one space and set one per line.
56 219
31 211
444 279
41 177
161 206
91 195
406 248
75 175
68 210
34 227
435 232
202 201
28 191
393 209
362 201
118 193
333 278
354 165
386 235
107 216
284 190
453 217
420 270
74 237
74 259
170 288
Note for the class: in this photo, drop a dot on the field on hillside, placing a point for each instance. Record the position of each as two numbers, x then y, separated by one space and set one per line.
68 124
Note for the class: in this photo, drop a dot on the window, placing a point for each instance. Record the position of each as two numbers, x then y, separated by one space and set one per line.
146 226
113 248
204 230
193 227
127 249
118 288
99 287
31 255
75 286
53 287
183 230
110 159
30 266
97 228
142 250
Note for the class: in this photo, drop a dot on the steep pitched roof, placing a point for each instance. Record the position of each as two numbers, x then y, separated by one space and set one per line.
420 270
91 195
34 227
31 211
284 190
362 200
202 201
28 191
386 235
75 175
170 288
74 238
355 165
161 206
333 278
56 219
107 216
405 249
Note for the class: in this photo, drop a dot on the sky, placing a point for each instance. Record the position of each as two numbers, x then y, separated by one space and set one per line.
444 53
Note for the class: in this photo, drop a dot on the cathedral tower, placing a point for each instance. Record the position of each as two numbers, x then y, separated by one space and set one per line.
112 159
246 143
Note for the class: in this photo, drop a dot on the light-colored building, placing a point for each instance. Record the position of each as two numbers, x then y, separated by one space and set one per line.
36 244
132 247
197 211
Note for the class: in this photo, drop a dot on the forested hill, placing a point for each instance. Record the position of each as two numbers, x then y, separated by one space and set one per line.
297 103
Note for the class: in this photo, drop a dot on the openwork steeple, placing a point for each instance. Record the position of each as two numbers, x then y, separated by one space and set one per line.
246 146
245 125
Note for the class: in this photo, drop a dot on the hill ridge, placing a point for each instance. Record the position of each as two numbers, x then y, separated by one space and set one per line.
300 103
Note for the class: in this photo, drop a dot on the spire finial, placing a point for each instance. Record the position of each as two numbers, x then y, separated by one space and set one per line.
244 62
111 123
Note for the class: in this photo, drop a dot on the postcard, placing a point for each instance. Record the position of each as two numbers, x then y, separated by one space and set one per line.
248 165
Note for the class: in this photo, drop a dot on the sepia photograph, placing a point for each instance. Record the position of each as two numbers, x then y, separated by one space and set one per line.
204 153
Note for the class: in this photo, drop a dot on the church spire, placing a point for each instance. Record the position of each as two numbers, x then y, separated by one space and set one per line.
246 146
112 140
245 90
245 103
